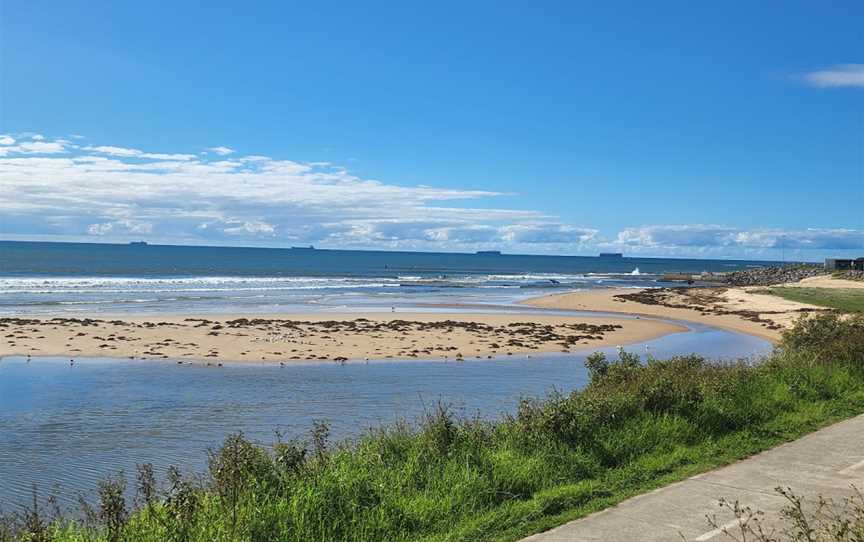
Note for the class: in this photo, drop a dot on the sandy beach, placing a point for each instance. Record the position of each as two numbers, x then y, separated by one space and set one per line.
827 281
744 310
340 337
422 335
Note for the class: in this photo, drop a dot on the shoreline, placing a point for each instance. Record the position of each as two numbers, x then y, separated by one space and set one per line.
742 310
285 338
533 325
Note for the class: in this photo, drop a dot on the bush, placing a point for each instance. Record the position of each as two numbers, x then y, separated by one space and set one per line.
828 338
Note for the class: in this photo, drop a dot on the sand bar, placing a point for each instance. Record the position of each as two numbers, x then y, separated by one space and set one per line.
744 310
341 337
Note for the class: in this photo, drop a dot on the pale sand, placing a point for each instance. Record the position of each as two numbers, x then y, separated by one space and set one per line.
736 309
286 338
827 281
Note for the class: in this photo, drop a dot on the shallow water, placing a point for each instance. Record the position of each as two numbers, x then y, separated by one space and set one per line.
64 427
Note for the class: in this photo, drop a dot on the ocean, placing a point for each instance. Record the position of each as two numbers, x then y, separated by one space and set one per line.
52 278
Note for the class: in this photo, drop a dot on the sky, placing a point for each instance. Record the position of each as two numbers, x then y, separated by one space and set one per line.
686 129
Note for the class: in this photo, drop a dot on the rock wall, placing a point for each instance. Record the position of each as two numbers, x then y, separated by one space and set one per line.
768 276
853 275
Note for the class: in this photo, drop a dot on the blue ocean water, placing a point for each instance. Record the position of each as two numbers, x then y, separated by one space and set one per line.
43 278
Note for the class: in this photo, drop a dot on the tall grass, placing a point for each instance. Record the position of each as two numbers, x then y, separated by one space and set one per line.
634 427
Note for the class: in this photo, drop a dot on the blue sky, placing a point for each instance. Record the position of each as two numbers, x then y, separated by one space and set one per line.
671 128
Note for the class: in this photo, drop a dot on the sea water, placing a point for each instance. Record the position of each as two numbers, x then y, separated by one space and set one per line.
52 278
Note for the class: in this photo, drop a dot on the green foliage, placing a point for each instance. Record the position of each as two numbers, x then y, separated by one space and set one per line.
112 510
828 337
597 365
632 428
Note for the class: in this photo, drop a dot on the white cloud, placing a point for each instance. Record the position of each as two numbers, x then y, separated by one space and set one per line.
113 151
702 236
36 147
114 190
548 234
221 151
681 235
124 152
120 227
58 188
7 140
164 156
464 234
250 227
841 75
100 229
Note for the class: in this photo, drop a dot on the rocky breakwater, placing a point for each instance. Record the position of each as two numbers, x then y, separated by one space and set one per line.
853 275
769 276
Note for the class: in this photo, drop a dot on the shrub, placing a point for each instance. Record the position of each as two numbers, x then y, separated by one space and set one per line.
112 510
829 338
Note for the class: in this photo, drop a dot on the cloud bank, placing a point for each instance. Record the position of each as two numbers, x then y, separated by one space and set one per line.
61 187
65 189
717 238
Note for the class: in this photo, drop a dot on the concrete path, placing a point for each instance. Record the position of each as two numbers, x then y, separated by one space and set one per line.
827 462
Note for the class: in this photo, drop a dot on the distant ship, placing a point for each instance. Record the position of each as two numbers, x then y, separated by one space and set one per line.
310 247
138 243
611 255
488 252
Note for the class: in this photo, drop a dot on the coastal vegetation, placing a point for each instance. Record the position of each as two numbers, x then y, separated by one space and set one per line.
842 299
639 424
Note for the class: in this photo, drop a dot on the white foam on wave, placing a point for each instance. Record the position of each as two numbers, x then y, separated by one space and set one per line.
115 285
95 289
635 273
538 276
118 285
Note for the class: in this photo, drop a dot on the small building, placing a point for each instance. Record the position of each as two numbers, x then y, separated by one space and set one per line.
844 264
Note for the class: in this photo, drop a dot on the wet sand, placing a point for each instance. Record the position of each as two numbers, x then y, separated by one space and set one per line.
340 337
737 309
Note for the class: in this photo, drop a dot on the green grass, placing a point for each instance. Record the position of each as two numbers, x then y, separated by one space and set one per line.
844 299
633 428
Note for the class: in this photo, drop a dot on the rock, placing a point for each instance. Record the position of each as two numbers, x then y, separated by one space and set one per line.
769 276
852 275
